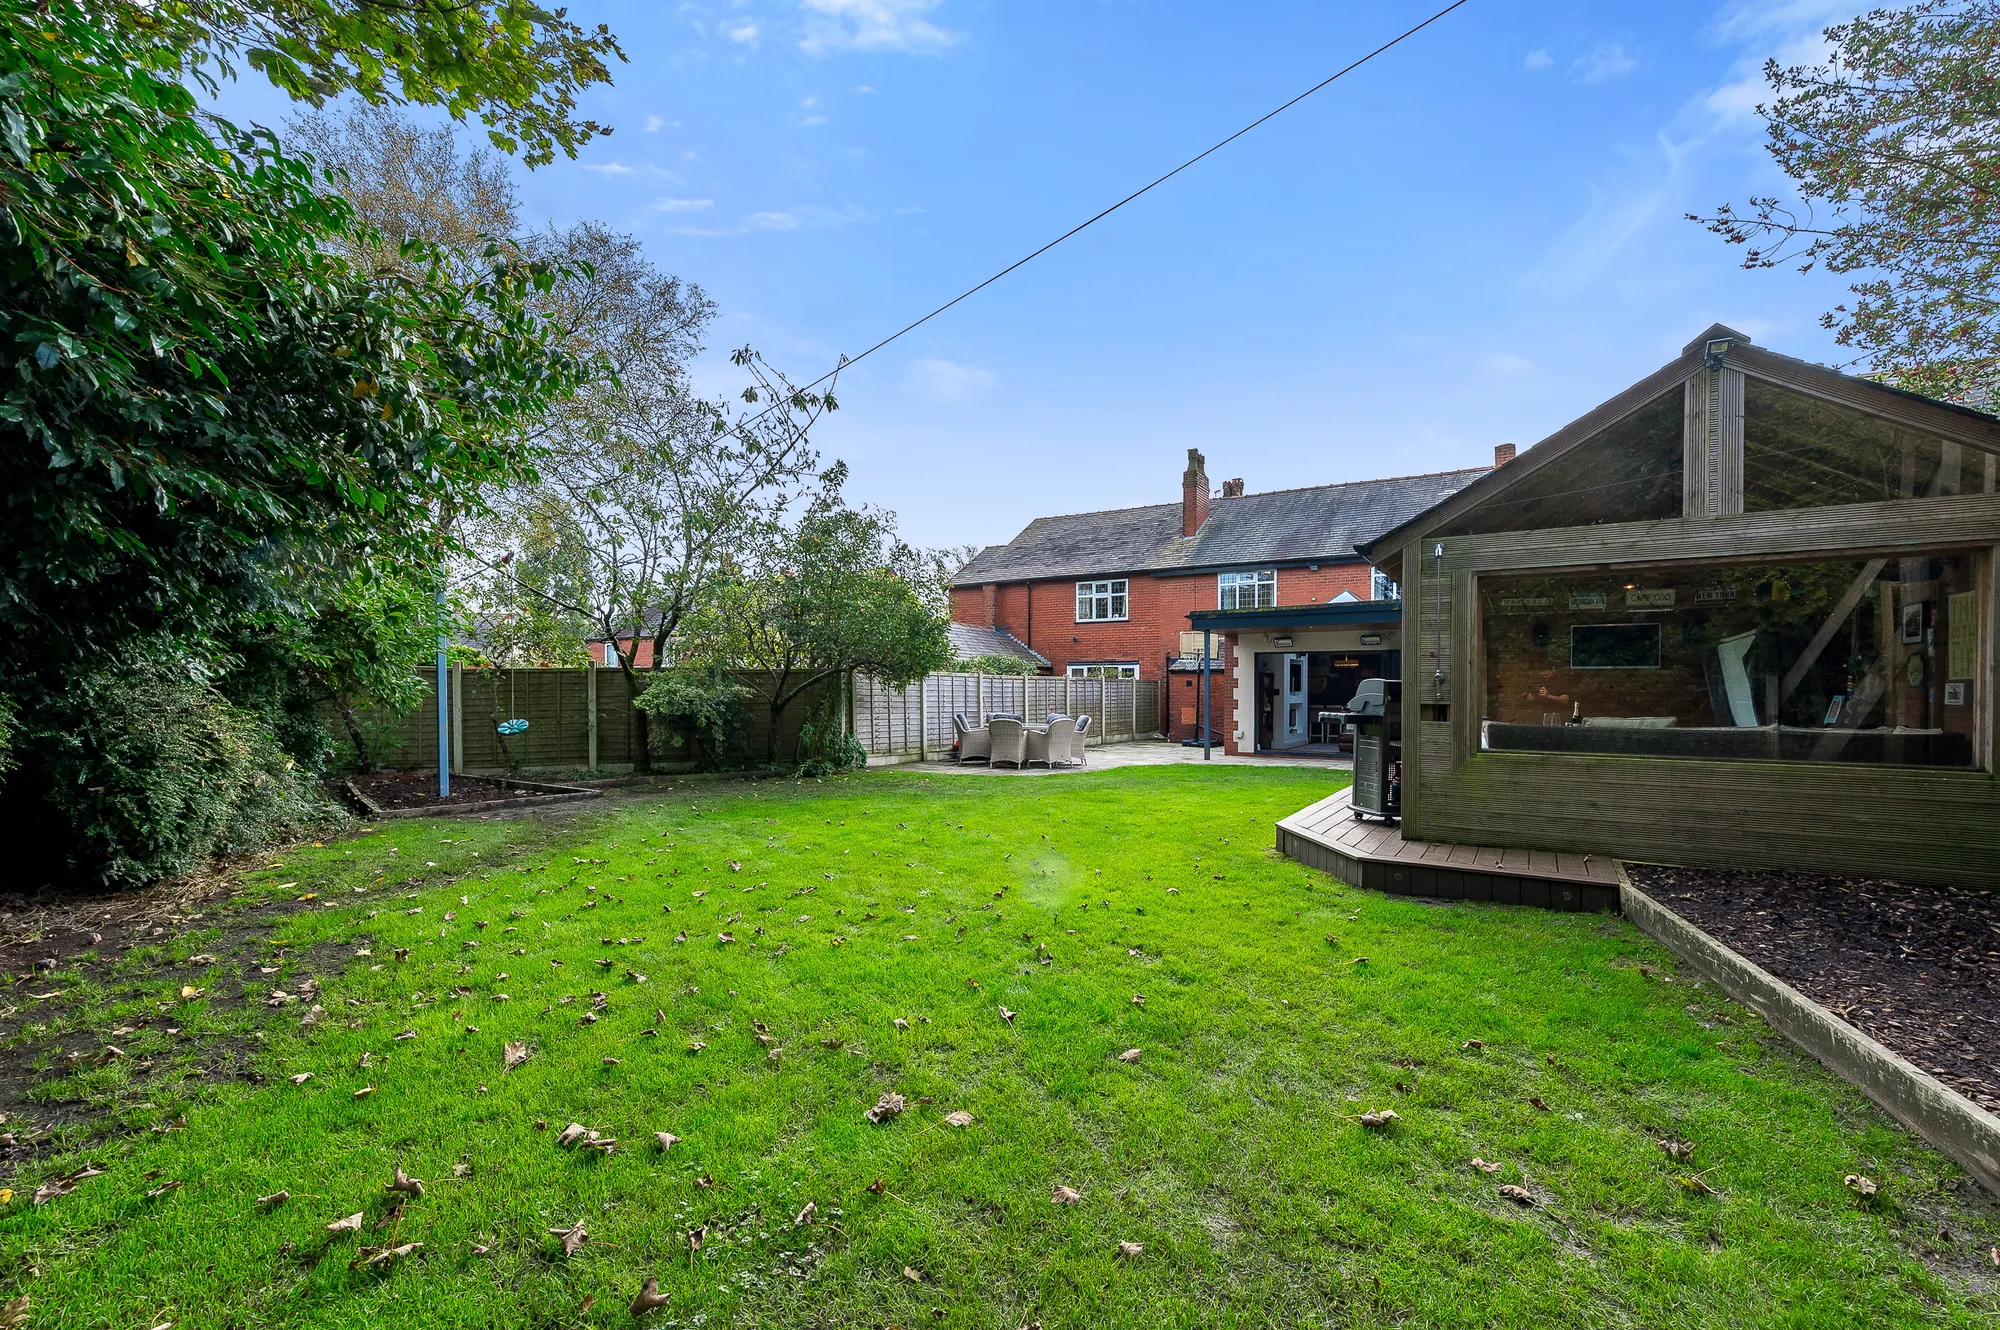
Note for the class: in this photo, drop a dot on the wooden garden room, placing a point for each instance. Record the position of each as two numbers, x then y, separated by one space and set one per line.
1741 614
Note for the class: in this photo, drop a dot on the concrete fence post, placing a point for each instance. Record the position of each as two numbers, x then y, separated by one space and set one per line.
458 718
590 712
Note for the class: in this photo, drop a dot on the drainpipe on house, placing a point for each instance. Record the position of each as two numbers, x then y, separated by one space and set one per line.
1207 730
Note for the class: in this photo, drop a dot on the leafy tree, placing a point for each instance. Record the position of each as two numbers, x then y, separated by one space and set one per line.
645 494
215 422
703 708
829 593
1892 144
517 65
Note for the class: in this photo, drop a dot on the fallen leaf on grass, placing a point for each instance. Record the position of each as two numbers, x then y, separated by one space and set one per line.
1007 1016
959 1119
875 1188
14 1313
364 1092
649 1297
1065 1195
666 1139
1864 1187
190 991
1676 1148
1378 1118
1694 1182
407 1034
1518 1195
351 1224
696 1236
573 1238
1138 999
812 1208
162 1190
900 1023
1129 1055
302 1078
275 1198
571 1134
1536 1100
373 1256
888 1106
512 1056
1486 1165
913 1276
1472 1045
66 1184
403 1182
1131 1251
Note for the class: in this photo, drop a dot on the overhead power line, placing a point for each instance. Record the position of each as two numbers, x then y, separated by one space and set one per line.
1334 77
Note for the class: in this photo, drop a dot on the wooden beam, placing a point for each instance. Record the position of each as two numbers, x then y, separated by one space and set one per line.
1841 609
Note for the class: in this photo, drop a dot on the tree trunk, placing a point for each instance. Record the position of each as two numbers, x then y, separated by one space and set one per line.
361 762
642 747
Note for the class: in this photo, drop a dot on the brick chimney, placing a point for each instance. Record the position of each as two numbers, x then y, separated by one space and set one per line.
1503 453
987 593
1194 493
1232 489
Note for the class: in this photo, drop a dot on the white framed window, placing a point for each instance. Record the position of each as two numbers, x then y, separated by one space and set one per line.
1247 591
1113 669
1383 587
1106 601
610 655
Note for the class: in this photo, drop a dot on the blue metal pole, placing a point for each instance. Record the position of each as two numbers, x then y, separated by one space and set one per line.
444 710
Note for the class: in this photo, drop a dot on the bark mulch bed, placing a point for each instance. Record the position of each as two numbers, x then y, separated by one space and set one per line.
414 793
1917 968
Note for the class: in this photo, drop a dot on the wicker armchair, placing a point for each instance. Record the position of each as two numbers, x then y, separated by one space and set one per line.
1008 742
1056 743
1081 739
973 745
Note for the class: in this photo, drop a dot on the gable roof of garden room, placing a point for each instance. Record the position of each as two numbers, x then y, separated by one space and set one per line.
1626 454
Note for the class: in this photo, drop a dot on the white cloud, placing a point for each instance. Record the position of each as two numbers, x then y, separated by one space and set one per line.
1608 61
813 120
607 168
874 25
746 33
808 103
1538 59
947 381
682 205
654 124
1506 365
774 221
1587 248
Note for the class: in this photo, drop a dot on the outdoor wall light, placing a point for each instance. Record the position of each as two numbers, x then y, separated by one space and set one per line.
1281 641
1371 639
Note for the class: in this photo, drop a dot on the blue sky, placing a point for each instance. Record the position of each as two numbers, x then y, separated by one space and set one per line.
1468 242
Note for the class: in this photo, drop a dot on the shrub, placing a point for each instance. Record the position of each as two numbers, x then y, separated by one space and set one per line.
138 773
705 711
825 747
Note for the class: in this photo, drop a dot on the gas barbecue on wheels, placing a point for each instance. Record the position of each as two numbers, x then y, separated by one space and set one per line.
1376 720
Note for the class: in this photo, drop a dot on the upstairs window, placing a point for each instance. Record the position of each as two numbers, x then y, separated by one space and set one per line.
1104 670
1383 587
1247 591
1099 602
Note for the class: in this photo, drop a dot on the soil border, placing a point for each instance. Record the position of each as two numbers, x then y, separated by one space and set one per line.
1947 1119
535 794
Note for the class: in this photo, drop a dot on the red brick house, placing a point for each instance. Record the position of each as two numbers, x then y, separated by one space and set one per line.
1109 593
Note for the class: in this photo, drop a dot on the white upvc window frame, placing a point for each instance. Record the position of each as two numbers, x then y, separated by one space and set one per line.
1112 595
1261 583
1382 587
1126 669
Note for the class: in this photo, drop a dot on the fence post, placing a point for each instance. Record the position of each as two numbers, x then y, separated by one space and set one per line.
979 696
923 716
1135 709
1069 707
590 710
458 718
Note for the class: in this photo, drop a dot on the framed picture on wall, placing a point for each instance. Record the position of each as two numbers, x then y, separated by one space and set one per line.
1954 694
1913 623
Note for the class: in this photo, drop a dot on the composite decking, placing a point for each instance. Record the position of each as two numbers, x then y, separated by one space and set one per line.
1372 854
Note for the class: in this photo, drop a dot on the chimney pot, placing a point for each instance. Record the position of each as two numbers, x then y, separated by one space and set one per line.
1194 493
1232 489
1503 454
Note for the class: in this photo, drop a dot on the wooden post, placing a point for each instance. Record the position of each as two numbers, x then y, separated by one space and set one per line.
590 711
458 718
923 716
1135 708
1069 707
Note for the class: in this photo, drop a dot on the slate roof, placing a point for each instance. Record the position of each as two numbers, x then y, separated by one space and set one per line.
969 641
1319 523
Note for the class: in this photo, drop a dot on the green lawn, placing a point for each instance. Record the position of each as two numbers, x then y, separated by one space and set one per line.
1229 1149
